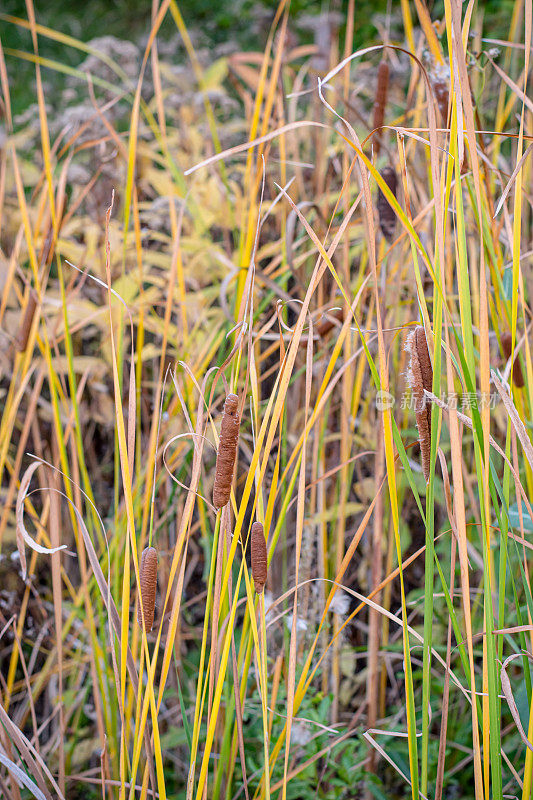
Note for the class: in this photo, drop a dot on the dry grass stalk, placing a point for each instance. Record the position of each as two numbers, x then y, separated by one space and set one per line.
421 380
23 334
387 216
259 557
148 582
227 452
516 372
380 102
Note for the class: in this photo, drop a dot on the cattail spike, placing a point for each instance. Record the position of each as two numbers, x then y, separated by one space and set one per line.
148 586
380 102
227 452
259 557
23 334
387 215
516 372
421 376
326 323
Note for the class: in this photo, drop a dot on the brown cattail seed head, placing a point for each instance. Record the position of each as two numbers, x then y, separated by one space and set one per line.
326 323
23 334
259 557
148 586
421 376
507 344
380 102
227 452
387 216
442 96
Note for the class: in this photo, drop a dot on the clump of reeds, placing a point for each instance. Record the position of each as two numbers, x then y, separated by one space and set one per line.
148 586
227 452
387 216
516 371
380 102
259 557
23 333
421 380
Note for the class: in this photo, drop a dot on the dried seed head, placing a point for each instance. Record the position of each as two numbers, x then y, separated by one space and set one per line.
227 452
380 102
148 586
387 215
442 96
259 557
507 344
421 376
440 83
23 334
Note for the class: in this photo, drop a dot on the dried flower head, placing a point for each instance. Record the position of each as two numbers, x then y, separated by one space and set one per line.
421 379
23 333
148 586
227 452
516 372
326 323
387 215
259 557
380 102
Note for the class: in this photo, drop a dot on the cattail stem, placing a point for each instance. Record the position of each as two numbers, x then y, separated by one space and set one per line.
421 376
264 690
227 452
147 587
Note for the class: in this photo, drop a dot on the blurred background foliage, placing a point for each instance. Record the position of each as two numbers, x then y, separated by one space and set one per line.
237 24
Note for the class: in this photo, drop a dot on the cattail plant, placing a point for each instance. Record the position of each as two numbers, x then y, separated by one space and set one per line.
421 380
440 85
259 557
516 372
227 452
387 216
148 586
23 334
380 102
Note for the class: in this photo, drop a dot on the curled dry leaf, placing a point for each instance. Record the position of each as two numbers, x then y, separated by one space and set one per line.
22 534
508 692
